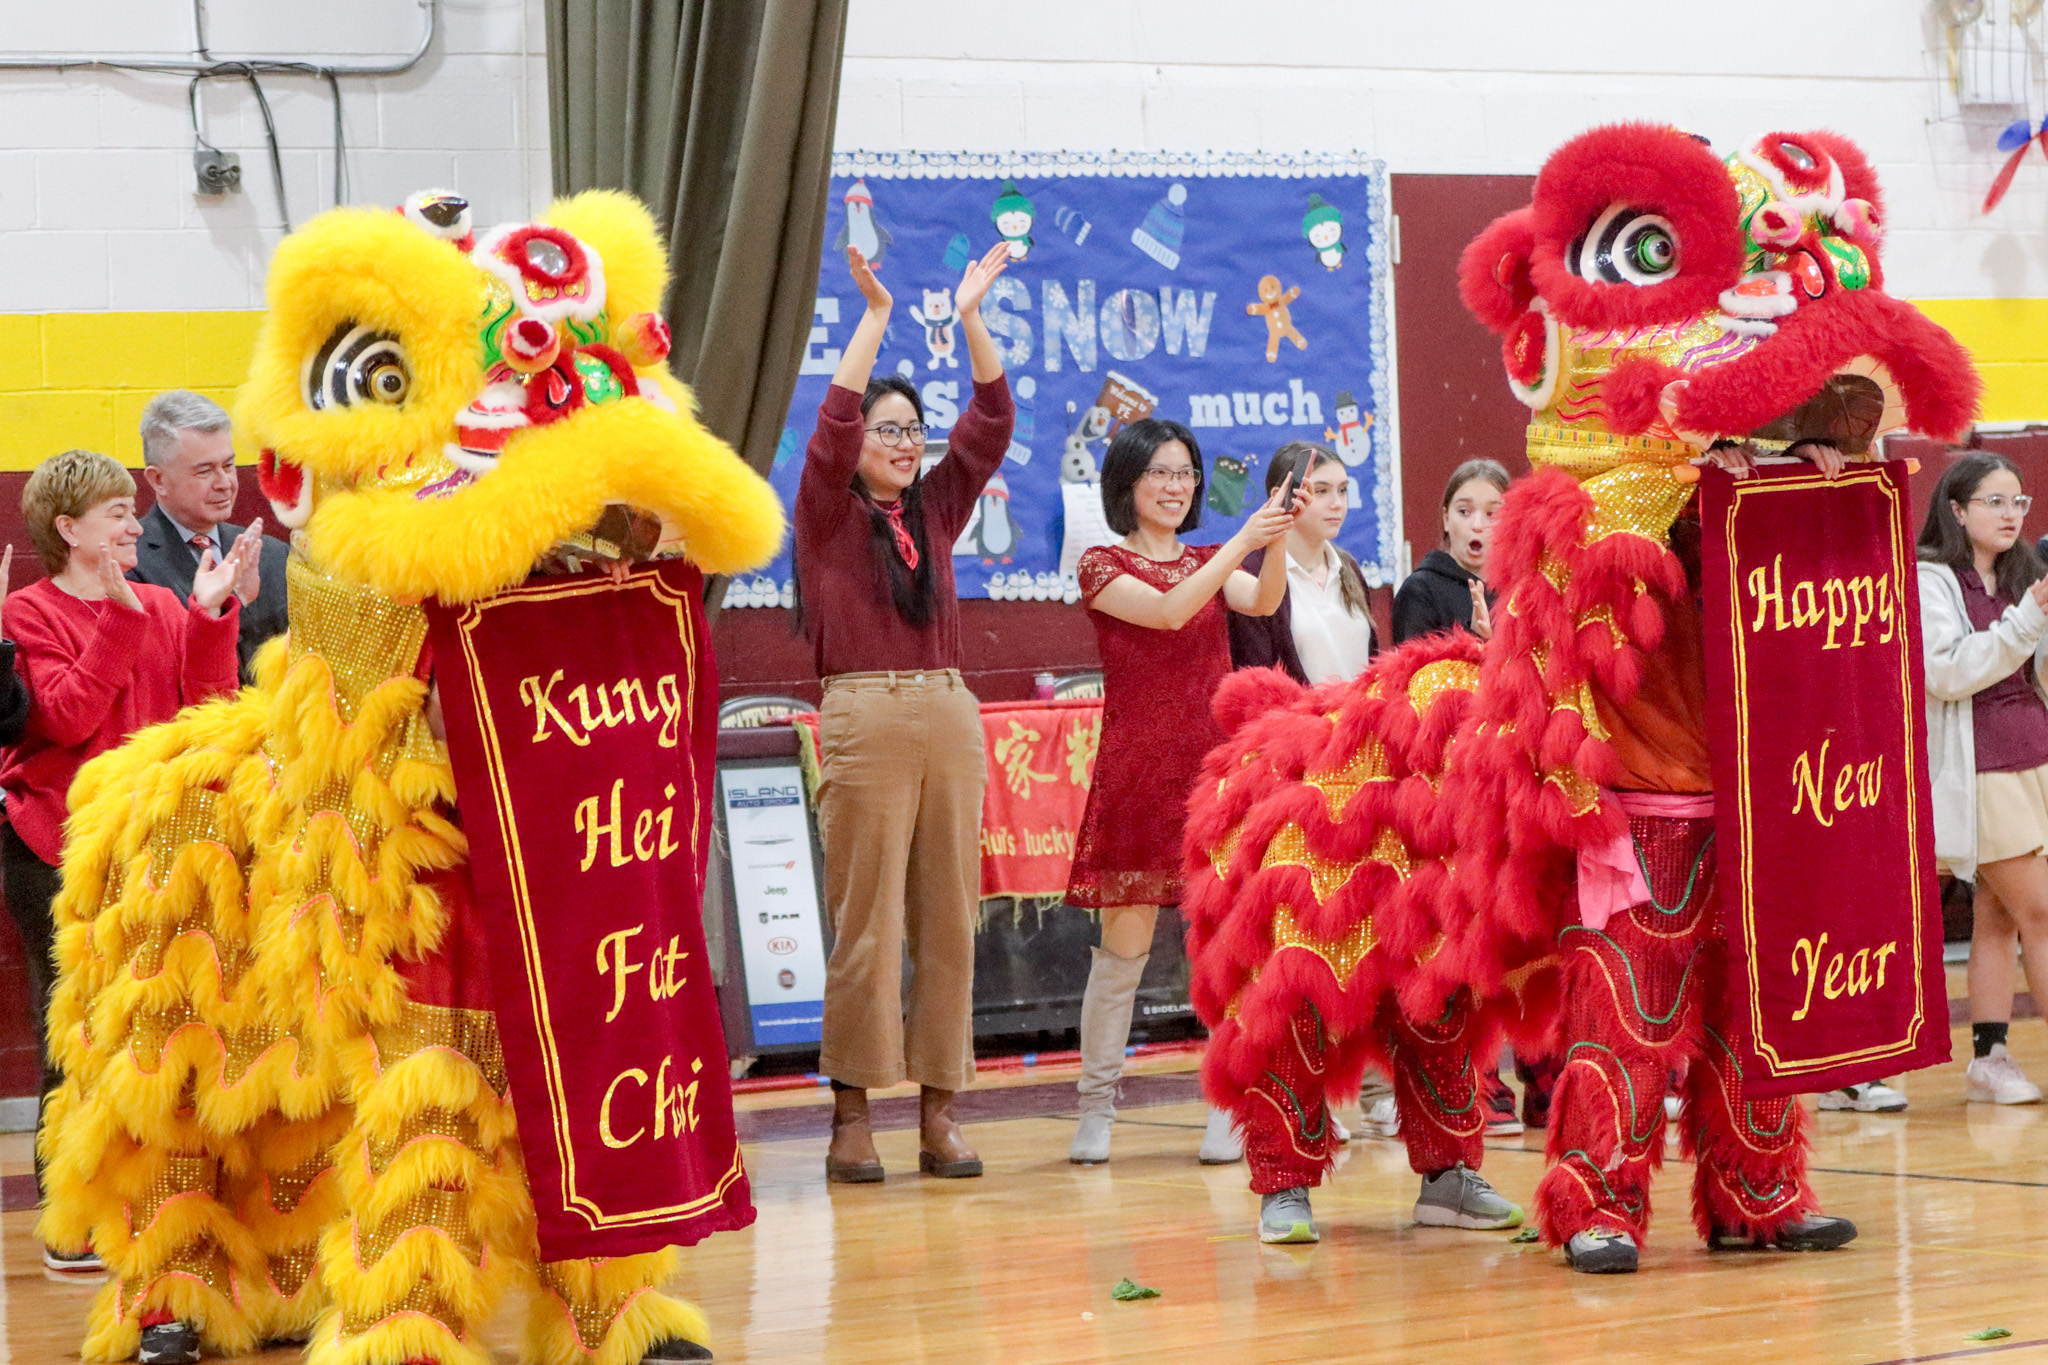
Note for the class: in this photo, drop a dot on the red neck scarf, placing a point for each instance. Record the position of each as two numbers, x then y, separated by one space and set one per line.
906 545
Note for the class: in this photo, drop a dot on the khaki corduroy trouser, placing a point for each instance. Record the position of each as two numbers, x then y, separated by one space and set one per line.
900 816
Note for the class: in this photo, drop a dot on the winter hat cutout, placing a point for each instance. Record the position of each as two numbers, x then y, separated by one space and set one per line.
1159 235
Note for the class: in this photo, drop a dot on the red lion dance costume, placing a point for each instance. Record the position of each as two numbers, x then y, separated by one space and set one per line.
1399 869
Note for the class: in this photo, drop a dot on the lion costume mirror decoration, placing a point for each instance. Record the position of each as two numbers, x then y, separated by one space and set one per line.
1384 871
272 1124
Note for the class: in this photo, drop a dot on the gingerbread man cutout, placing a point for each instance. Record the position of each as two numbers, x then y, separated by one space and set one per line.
1272 305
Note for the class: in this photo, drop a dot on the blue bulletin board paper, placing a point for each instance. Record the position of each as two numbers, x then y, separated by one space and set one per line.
1139 283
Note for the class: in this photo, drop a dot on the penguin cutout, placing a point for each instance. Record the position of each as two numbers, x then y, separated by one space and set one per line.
861 231
990 533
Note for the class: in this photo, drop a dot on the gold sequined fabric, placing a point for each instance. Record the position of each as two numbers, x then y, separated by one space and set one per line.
473 1033
364 638
1339 785
446 1210
1341 955
592 1320
1636 499
421 1298
1289 848
1431 681
180 1175
425 1123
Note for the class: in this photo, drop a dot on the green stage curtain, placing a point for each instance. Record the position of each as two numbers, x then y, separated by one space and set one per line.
720 116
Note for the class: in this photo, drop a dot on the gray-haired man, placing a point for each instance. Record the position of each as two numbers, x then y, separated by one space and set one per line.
189 460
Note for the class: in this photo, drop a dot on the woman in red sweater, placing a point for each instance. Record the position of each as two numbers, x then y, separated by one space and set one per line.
899 805
103 657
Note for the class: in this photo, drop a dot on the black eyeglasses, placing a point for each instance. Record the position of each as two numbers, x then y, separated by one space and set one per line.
893 435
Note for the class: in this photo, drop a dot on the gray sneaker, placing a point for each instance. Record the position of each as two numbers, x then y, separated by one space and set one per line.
1461 1198
1286 1217
1601 1251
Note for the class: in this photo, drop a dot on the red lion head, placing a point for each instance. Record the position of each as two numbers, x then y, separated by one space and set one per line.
1655 297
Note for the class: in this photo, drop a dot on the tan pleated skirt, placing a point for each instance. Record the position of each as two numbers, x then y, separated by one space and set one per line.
2012 814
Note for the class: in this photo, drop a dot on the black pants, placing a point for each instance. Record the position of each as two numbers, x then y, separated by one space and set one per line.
31 886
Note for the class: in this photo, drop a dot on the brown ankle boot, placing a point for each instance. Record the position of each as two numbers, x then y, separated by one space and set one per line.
942 1151
851 1159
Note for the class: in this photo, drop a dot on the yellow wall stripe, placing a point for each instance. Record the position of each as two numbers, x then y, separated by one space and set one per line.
81 379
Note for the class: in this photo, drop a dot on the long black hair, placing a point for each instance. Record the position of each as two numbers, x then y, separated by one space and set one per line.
1306 457
1124 463
910 589
1944 541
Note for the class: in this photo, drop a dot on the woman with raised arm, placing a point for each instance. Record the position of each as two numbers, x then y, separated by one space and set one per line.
1158 607
900 743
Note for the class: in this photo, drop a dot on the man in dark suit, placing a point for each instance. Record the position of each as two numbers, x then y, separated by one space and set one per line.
189 460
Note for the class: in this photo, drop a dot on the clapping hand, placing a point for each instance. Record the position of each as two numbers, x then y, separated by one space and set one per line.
248 580
117 587
217 577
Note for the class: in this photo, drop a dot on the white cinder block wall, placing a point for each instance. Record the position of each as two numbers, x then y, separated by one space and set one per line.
98 210
1475 86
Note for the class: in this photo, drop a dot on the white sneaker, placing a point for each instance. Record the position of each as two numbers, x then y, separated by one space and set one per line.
1997 1079
1871 1097
1382 1119
1338 1130
1222 1144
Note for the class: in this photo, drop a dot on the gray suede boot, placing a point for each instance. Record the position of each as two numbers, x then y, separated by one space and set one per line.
1105 1029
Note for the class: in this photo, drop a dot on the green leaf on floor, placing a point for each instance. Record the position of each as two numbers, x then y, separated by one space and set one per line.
1127 1289
1527 1235
1988 1334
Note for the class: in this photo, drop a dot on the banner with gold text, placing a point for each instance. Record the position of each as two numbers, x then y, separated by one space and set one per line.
581 718
1041 761
1816 719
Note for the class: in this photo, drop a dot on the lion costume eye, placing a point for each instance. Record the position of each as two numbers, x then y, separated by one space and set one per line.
1626 246
357 365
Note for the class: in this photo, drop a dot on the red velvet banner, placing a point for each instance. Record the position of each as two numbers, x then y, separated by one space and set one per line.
1816 716
1041 761
581 718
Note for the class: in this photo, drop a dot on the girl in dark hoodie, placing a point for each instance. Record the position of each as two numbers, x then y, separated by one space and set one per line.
1449 587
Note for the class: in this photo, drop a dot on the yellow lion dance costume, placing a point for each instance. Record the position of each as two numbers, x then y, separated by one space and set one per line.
263 1129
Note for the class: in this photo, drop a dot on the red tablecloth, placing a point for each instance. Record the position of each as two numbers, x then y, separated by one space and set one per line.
1041 758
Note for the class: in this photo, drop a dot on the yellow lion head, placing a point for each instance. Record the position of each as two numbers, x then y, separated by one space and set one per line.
436 421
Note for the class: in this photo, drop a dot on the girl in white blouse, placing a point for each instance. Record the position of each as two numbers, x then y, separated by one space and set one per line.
1323 630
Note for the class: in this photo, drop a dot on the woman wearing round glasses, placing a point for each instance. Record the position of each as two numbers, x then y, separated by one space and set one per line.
1984 631
900 749
1158 607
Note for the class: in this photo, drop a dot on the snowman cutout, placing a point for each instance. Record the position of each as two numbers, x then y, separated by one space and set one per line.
1352 440
1077 461
938 317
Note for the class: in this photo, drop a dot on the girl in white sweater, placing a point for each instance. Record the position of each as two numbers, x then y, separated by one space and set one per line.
1984 627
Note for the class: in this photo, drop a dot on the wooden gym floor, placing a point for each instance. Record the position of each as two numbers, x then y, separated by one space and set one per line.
1952 1201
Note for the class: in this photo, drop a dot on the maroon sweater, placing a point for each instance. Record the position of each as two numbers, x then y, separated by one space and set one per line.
99 672
849 617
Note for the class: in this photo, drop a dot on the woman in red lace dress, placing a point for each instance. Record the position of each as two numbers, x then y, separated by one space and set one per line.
1158 608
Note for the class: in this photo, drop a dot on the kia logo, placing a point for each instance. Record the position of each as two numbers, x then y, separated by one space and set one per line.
782 947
